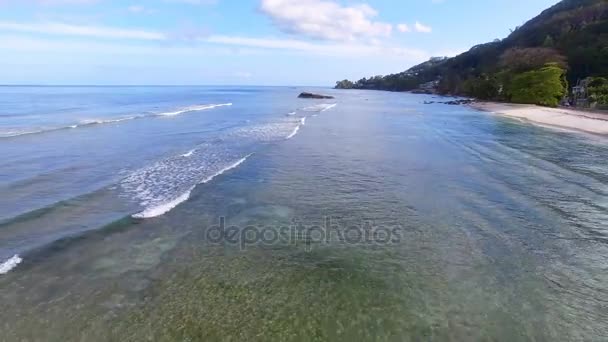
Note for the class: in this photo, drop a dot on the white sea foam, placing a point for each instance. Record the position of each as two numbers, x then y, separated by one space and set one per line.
194 109
229 167
163 208
267 132
9 264
91 122
105 121
189 153
297 128
83 123
8 134
291 114
293 134
328 107
320 107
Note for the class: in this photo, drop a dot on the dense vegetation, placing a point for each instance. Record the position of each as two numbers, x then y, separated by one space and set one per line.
545 86
564 44
598 90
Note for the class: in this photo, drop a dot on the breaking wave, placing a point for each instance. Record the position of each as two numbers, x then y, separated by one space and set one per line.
189 153
9 264
193 109
293 134
92 122
164 185
320 107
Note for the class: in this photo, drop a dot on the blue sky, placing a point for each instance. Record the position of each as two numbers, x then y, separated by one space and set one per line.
253 42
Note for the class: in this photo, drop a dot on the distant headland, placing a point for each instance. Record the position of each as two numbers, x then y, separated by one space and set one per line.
557 58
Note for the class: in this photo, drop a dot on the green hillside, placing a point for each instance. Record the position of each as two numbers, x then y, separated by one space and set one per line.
571 36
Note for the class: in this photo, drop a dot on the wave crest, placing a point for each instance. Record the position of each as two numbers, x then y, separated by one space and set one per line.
164 185
320 107
193 109
9 264
93 122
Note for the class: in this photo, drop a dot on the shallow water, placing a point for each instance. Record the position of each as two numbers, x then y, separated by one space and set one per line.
497 229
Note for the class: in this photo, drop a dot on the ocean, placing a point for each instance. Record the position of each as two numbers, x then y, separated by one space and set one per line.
245 213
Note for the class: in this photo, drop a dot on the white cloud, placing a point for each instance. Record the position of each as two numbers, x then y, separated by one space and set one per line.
140 9
51 2
62 60
243 74
403 28
194 2
422 28
331 49
199 39
66 2
80 30
325 20
136 9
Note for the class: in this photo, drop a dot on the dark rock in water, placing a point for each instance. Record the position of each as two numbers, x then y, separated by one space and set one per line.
453 103
422 91
459 102
314 96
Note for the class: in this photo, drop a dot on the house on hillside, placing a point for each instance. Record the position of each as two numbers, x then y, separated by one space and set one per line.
430 86
580 93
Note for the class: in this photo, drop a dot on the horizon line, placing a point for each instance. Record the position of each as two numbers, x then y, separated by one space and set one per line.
159 85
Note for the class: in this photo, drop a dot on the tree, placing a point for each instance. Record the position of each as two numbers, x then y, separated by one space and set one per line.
545 86
526 59
345 84
484 87
597 88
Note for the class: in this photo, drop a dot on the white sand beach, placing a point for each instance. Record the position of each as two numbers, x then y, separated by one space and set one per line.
591 122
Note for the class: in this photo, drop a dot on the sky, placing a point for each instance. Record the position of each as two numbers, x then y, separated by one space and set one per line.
240 42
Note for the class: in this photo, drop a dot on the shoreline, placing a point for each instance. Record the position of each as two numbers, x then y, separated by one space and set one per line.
570 119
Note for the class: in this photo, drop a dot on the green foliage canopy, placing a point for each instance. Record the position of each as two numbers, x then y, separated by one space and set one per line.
573 34
598 90
545 86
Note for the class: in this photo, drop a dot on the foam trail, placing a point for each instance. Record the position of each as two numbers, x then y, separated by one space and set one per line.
166 207
189 153
229 167
303 121
101 122
293 134
85 123
320 107
193 109
11 263
291 114
10 134
329 107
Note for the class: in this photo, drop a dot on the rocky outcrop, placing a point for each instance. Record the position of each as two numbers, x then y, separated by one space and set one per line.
314 96
453 103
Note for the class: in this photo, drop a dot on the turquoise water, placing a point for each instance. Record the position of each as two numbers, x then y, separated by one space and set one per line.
496 228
